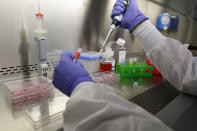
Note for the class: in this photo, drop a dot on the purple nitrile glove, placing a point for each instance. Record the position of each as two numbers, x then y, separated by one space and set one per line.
132 17
67 74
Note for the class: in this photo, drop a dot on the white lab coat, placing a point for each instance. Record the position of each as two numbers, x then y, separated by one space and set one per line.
172 59
96 107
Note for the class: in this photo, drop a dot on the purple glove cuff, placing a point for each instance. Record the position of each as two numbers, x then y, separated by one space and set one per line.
137 21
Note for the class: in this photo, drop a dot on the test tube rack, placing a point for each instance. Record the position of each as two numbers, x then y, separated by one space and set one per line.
134 70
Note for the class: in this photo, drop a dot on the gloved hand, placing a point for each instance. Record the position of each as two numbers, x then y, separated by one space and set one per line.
67 74
132 17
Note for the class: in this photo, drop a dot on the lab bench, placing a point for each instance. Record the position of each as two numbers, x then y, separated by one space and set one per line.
153 94
44 114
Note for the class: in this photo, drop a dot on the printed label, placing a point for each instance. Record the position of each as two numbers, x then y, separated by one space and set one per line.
122 57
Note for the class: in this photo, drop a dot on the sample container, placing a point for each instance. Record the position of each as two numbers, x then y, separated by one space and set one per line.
90 61
105 67
30 89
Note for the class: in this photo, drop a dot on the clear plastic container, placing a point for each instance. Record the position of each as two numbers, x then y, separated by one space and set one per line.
39 31
90 61
26 90
107 64
47 111
119 50
39 21
103 77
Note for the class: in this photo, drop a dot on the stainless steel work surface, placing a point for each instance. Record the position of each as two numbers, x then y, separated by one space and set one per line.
42 115
156 98
137 90
181 113
131 87
151 93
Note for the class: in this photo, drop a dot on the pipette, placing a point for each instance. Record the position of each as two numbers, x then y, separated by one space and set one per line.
77 54
115 22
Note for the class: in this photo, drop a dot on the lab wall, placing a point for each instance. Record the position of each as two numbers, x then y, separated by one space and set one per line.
71 24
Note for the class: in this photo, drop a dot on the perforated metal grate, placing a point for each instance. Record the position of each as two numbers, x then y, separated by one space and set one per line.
24 69
154 99
52 61
18 69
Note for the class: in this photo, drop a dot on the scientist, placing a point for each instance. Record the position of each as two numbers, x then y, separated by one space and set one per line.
96 107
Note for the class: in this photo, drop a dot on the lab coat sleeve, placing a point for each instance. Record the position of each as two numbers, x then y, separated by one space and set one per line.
171 58
96 107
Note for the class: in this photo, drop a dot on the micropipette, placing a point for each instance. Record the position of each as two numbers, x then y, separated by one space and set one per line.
115 22
77 54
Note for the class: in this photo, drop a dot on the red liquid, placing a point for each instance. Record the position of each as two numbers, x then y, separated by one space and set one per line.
107 66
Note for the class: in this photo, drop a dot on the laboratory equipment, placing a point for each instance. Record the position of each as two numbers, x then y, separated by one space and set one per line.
136 70
163 22
90 61
174 22
53 58
77 55
30 89
103 77
155 70
115 23
167 22
135 60
190 47
40 37
55 111
135 84
119 50
108 61
130 61
130 81
105 66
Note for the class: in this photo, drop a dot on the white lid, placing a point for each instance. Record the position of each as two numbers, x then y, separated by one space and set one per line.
90 54
121 42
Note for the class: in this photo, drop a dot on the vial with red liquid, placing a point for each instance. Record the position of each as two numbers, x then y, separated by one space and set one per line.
107 62
105 66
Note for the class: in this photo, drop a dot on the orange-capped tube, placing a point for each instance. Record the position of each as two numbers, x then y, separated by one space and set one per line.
77 54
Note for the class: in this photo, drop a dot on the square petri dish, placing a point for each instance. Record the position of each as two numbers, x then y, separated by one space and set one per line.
30 89
48 111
